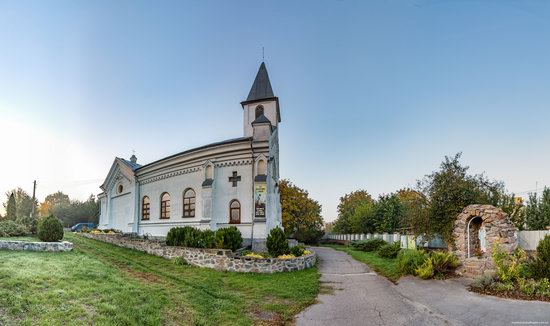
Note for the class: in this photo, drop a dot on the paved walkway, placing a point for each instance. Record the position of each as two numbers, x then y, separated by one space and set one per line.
360 297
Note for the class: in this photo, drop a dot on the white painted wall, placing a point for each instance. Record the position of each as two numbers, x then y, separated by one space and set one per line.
249 115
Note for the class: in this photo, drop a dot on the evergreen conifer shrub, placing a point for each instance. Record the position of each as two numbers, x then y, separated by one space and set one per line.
277 244
229 238
540 267
50 229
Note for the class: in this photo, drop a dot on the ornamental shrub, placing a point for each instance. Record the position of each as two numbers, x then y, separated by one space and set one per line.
539 268
50 229
297 250
29 222
426 270
369 245
389 250
443 262
191 237
510 267
437 264
277 244
9 228
229 238
208 239
408 260
174 236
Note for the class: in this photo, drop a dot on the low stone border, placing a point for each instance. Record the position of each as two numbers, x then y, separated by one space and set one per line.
219 259
35 246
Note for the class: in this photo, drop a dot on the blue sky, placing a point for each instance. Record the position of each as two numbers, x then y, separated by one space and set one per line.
373 93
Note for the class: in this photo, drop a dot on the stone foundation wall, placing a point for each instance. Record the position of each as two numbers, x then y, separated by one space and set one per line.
219 259
35 246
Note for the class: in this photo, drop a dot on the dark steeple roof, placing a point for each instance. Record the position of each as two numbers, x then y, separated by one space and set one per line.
261 89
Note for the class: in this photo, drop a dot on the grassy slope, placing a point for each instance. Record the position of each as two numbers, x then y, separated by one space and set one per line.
383 266
101 284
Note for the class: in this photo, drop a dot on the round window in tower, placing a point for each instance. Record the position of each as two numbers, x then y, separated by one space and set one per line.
119 189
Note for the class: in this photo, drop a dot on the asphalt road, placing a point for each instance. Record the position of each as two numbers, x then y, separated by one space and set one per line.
357 296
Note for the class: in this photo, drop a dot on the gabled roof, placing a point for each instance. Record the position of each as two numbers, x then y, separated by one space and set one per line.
261 119
261 89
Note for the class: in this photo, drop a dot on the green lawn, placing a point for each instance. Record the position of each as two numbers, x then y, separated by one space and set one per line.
26 239
383 266
101 284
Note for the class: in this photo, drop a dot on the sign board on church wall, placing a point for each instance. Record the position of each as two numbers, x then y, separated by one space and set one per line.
260 196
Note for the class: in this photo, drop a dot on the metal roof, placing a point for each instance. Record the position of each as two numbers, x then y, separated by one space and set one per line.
225 142
261 89
261 119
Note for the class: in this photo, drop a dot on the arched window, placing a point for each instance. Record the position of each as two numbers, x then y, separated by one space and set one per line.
145 208
259 111
165 205
208 172
189 203
234 212
120 189
262 167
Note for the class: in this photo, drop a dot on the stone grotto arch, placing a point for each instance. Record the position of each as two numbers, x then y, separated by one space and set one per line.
475 231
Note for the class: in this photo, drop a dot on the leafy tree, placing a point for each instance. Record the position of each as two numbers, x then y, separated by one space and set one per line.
77 211
23 202
347 207
363 219
537 211
451 189
11 208
415 210
56 199
389 213
301 214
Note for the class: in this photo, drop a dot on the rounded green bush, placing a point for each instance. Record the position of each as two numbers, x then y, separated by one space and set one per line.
389 250
369 245
297 250
50 229
229 238
277 244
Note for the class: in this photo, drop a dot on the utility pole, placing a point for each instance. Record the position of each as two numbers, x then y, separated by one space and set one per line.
33 197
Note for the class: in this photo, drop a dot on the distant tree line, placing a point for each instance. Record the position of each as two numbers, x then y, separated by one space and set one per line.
19 206
432 207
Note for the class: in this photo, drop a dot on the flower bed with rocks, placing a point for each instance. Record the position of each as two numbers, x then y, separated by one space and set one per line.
219 259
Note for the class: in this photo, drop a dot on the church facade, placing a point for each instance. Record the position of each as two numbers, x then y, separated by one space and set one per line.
232 182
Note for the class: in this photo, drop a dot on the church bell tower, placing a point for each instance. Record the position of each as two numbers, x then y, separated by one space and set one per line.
261 105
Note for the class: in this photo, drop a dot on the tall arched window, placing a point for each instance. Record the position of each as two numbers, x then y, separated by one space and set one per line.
145 208
259 111
189 203
234 212
165 205
262 167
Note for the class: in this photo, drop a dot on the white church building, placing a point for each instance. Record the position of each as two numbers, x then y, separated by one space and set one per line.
231 182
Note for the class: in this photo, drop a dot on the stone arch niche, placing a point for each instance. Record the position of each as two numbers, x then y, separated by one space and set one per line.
475 232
